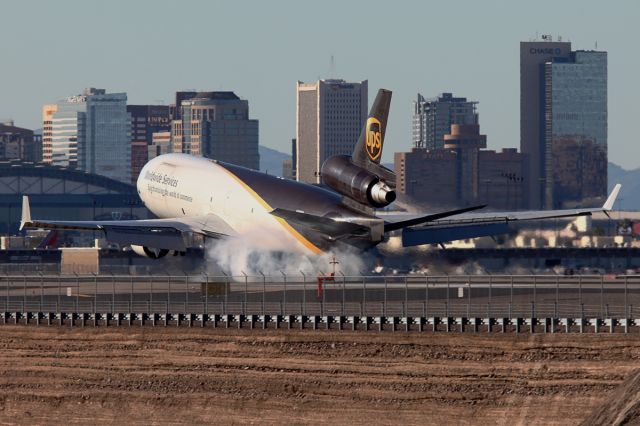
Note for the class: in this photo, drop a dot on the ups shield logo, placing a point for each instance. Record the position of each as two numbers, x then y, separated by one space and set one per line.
374 139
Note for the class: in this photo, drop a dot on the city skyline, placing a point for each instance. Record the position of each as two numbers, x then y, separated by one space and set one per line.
479 60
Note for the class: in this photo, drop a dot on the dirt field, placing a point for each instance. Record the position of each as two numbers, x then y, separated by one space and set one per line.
185 376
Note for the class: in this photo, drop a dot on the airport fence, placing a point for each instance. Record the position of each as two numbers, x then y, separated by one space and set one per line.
481 296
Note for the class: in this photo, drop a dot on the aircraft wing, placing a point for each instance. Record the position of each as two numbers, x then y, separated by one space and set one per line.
473 224
171 234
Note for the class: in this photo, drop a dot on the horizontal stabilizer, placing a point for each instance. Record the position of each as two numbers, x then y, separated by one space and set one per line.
437 235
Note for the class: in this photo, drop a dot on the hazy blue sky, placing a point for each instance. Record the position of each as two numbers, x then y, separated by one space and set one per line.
150 49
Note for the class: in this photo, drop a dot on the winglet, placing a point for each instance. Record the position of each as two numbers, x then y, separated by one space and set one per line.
608 205
26 212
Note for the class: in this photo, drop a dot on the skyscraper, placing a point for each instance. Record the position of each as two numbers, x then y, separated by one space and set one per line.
160 144
145 121
330 115
563 122
466 141
47 132
216 125
462 173
17 143
89 132
575 125
432 118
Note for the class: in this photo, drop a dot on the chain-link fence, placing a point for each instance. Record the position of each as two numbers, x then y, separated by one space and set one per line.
490 296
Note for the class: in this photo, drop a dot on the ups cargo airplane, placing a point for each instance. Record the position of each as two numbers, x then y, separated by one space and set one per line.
198 196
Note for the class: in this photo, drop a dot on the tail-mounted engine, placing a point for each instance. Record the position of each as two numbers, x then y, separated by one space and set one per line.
342 175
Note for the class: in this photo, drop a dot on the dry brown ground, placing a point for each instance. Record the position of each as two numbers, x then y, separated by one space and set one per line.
621 407
184 376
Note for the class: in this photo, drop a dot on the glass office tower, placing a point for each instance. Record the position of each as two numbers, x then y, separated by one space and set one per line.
575 129
89 132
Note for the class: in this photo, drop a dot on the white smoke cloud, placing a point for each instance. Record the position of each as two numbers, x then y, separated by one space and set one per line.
260 252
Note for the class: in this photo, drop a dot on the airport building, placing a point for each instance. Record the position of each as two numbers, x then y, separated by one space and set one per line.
17 143
330 115
432 118
563 122
63 193
216 125
145 121
89 132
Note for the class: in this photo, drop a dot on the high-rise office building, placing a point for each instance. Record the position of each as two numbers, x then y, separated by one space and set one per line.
502 178
160 144
184 95
428 176
563 122
89 132
47 132
216 125
145 121
464 175
575 124
330 115
466 141
17 143
432 118
294 158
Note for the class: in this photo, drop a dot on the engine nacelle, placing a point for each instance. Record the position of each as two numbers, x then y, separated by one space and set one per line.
355 182
151 253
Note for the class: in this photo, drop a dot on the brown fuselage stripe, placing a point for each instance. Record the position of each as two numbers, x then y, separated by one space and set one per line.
308 244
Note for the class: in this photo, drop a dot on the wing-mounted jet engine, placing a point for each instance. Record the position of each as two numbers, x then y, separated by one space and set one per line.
151 253
360 176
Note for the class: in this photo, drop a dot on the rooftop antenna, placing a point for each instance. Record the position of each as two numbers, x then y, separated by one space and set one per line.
332 68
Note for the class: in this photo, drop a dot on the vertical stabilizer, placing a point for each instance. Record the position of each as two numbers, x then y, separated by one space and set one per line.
369 147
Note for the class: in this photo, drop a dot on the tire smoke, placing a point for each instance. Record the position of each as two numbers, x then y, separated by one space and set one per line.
256 253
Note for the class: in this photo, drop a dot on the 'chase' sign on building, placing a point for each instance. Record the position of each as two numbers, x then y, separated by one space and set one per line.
545 51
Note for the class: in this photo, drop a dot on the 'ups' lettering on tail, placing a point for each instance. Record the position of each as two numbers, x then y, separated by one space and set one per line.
374 139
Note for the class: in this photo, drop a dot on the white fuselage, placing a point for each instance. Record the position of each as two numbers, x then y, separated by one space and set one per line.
180 185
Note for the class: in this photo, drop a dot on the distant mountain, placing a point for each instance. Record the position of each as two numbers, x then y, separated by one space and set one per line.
629 198
271 160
